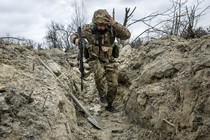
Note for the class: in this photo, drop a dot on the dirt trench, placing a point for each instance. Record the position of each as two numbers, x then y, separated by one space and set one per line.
117 126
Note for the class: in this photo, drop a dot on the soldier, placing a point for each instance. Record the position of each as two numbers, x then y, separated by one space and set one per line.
102 51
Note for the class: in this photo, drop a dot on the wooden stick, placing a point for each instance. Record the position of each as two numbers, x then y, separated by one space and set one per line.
46 66
171 124
45 102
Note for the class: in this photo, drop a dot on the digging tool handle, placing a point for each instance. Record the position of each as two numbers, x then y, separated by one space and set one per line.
80 105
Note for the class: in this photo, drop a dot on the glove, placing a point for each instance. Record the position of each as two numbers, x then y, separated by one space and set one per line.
77 41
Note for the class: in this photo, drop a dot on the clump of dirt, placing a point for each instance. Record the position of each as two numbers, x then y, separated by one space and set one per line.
170 95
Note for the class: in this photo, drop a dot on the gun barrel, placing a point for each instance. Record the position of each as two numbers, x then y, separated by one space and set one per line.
81 67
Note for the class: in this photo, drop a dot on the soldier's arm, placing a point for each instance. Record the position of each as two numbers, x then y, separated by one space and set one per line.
74 37
121 31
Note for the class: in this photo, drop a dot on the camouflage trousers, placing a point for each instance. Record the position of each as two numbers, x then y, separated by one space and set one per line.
106 79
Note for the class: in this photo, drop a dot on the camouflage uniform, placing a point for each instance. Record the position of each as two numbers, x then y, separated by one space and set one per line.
100 53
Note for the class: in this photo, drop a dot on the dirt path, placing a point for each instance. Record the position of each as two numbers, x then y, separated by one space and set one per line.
117 126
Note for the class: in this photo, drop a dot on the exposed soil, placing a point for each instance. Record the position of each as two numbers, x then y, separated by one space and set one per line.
163 93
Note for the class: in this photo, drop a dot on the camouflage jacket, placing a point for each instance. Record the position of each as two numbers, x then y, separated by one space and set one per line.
107 39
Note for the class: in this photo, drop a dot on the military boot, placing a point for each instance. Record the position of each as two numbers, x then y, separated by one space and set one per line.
111 108
103 99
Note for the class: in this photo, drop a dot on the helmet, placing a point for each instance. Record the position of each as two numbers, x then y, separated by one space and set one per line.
101 16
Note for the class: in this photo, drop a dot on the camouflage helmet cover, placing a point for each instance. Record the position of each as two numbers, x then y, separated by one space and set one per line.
101 16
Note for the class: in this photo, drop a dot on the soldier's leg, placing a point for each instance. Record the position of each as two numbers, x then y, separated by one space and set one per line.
112 83
100 79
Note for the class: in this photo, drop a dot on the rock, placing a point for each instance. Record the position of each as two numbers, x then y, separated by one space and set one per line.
2 88
125 52
7 71
56 69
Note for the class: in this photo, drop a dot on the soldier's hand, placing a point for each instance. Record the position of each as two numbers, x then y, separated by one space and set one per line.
77 41
112 21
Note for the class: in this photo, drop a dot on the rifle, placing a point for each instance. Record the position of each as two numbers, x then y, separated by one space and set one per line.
81 66
99 38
